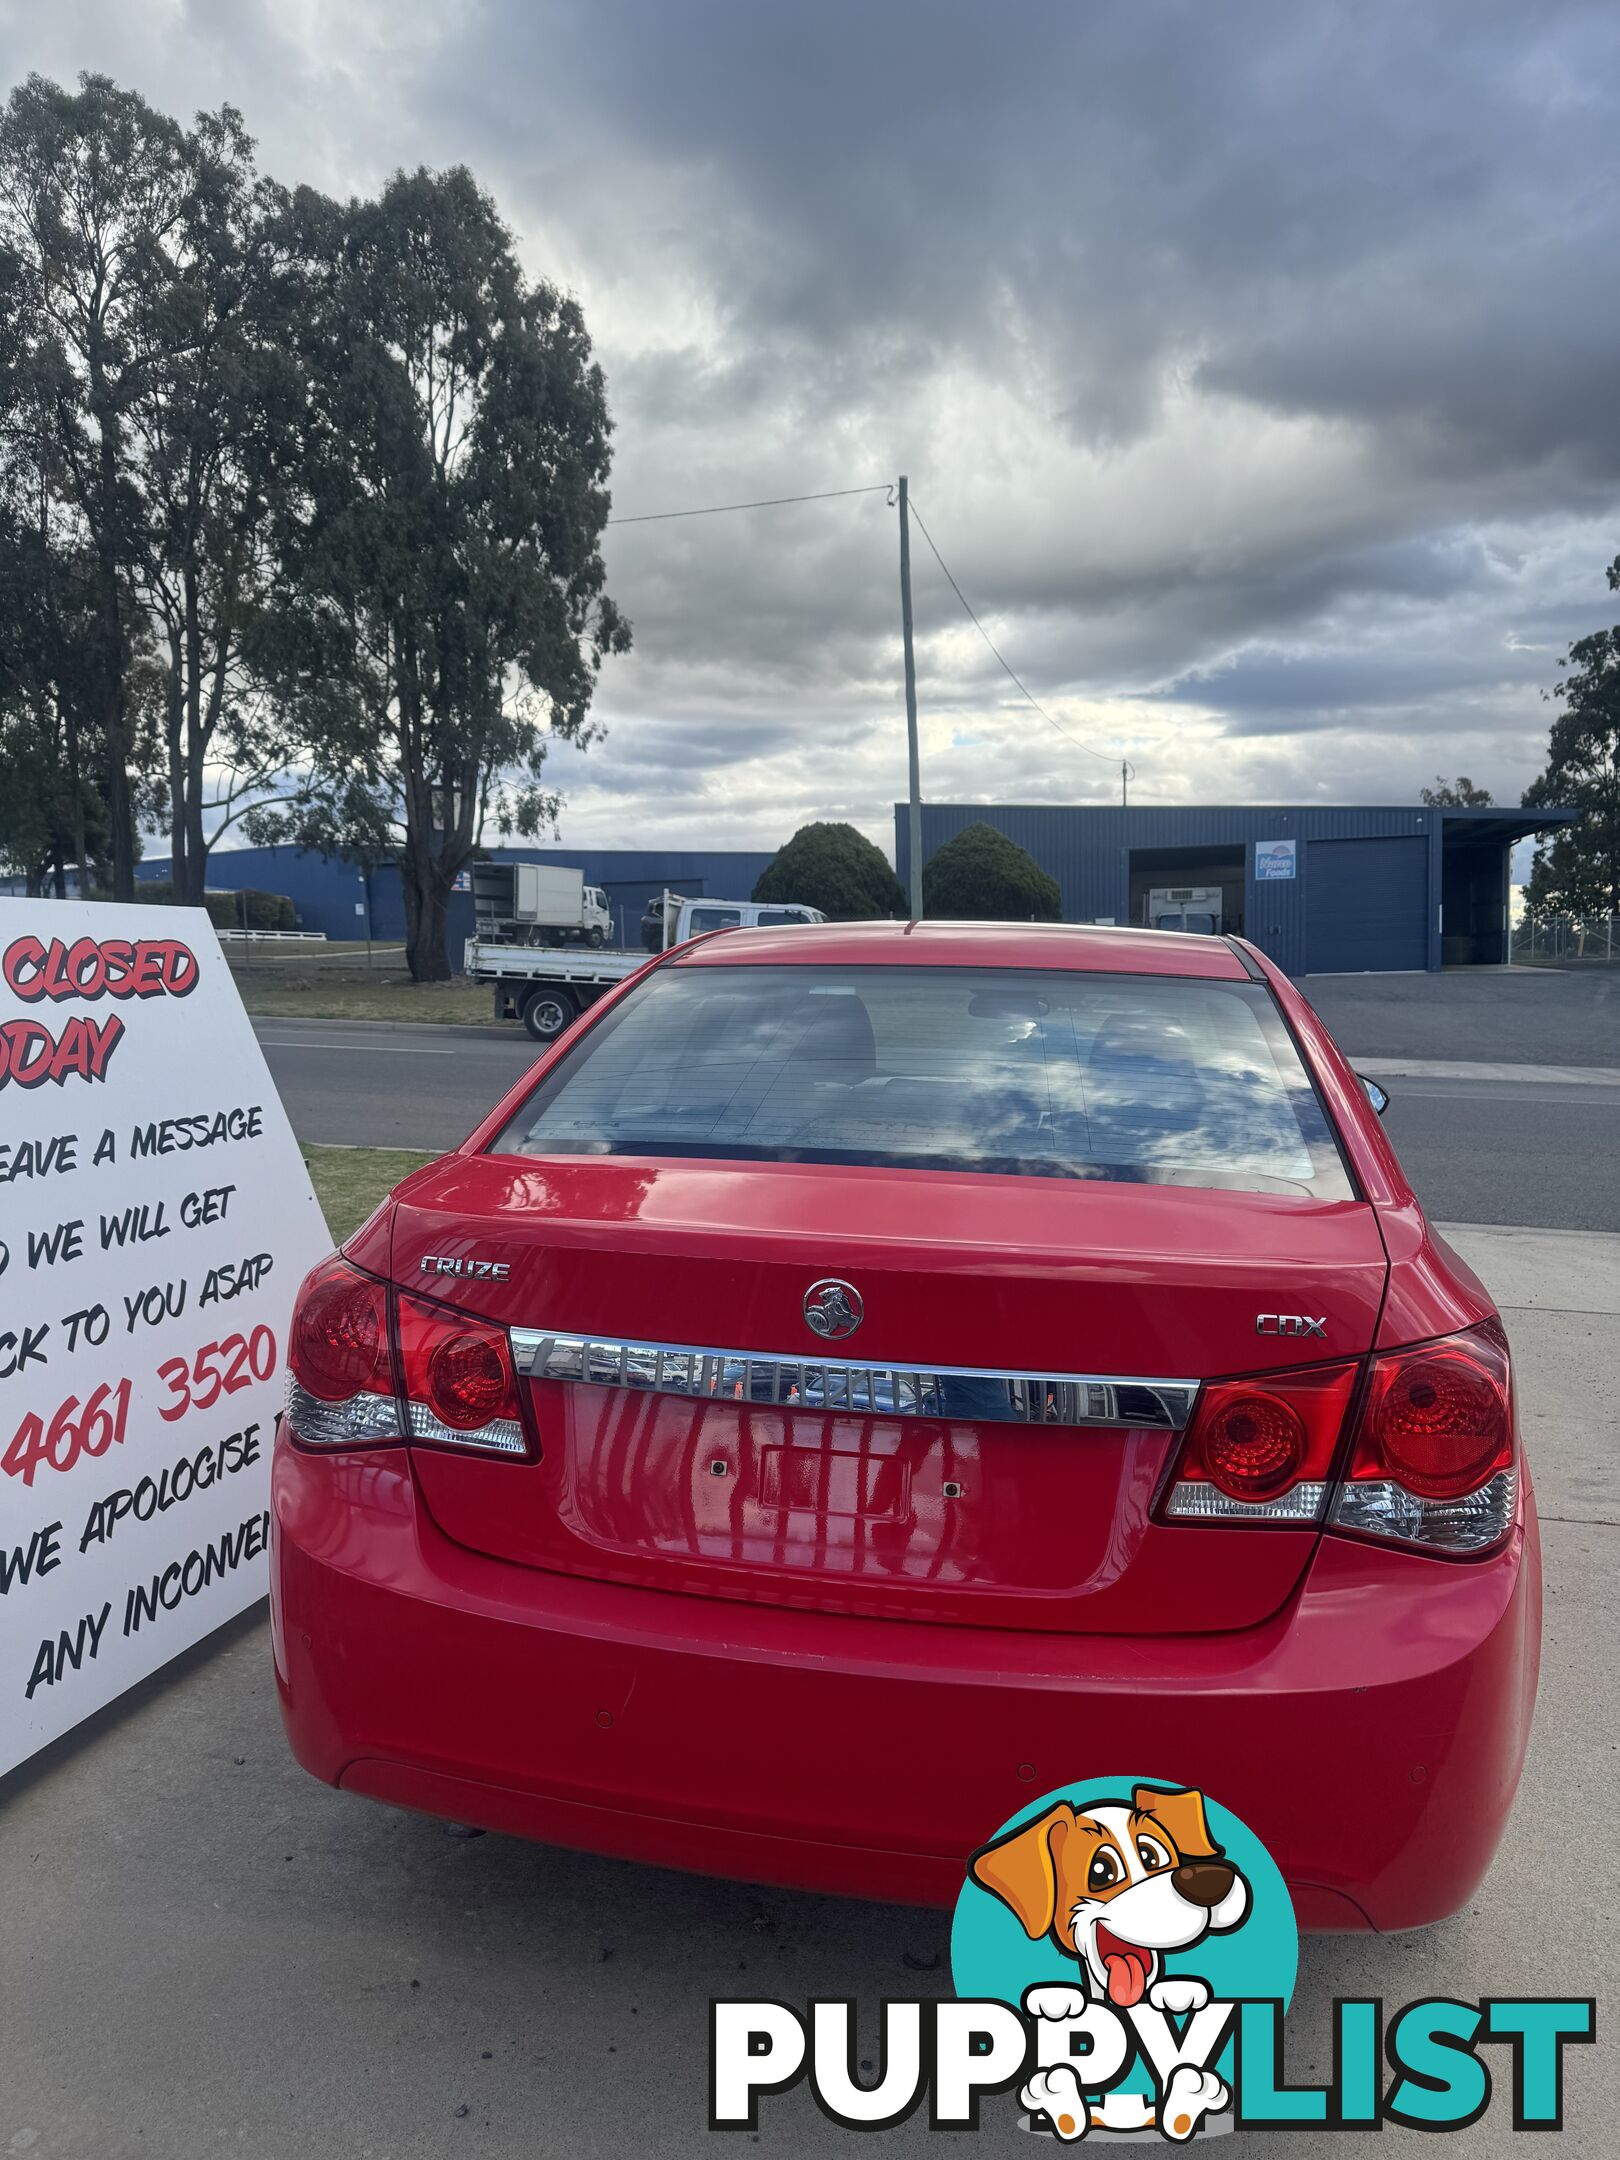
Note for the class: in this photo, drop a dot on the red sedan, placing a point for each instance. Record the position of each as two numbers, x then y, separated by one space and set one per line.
866 1376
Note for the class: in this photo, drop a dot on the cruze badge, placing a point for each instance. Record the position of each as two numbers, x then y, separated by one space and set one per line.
833 1308
473 1270
1289 1323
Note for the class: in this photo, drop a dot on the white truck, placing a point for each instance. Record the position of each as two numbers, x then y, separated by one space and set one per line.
538 904
548 990
1185 907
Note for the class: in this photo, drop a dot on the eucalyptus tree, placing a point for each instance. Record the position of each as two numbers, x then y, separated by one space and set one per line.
1577 872
52 813
150 365
51 768
93 186
218 427
443 612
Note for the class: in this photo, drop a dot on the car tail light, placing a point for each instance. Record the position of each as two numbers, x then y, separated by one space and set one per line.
360 1375
1261 1450
340 1378
1434 1462
459 1382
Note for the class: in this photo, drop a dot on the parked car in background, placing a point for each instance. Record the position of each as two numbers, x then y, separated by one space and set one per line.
671 920
870 1373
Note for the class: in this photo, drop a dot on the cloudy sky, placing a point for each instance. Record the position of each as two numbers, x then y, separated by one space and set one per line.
1254 365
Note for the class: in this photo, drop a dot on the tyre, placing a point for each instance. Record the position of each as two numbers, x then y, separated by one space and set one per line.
593 937
547 1010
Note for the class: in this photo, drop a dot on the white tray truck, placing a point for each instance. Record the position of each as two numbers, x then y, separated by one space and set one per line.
547 990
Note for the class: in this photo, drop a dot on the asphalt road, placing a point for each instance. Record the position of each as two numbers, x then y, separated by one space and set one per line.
357 1084
207 1952
1476 1149
1493 1151
1525 1016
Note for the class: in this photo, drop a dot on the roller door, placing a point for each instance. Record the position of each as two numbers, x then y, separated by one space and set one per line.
1367 905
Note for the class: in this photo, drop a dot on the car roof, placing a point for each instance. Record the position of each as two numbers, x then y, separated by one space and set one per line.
1084 947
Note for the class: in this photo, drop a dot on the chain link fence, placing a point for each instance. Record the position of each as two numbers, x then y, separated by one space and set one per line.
1567 941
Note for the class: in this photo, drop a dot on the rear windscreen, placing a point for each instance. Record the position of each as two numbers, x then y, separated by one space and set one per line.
1165 1080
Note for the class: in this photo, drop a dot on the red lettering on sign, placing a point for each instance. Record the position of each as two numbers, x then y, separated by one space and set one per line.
94 968
89 1428
30 1055
72 1430
218 1368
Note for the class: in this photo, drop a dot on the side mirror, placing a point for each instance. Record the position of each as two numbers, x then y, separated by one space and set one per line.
1377 1096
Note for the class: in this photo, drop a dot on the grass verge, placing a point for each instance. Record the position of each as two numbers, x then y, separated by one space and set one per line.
382 997
349 1182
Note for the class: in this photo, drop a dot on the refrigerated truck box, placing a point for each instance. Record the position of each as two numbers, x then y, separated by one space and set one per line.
542 894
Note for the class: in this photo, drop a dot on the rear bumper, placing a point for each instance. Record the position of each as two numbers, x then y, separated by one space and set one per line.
1371 1734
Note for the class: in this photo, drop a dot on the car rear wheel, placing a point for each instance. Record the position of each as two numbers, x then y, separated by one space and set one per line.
546 1012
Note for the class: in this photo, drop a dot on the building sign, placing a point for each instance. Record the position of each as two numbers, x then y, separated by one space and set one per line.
155 1220
1275 858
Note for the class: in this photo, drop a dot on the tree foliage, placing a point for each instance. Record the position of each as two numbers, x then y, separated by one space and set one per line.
149 404
91 188
982 876
52 812
286 488
1458 794
1577 872
834 868
443 609
218 428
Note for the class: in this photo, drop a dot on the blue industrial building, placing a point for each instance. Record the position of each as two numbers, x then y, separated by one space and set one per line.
335 896
1322 891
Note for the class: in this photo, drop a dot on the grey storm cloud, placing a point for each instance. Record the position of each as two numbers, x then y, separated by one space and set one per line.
1253 366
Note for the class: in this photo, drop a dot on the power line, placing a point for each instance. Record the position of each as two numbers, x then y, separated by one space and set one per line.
769 502
990 641
886 487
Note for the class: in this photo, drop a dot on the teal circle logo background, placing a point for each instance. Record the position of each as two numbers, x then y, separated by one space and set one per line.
992 1956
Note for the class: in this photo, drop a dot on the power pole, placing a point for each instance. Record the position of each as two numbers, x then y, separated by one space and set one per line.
914 821
1124 784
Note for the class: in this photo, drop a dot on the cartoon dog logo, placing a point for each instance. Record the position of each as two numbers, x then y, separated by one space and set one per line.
1118 1888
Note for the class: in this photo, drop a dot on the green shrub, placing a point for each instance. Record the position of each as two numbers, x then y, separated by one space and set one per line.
834 868
982 876
265 910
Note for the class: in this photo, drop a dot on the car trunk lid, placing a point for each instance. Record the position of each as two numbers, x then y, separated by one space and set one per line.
984 1447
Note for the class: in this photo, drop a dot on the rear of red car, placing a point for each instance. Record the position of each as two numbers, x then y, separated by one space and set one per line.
867 1376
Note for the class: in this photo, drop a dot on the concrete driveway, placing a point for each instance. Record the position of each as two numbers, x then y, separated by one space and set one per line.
207 1953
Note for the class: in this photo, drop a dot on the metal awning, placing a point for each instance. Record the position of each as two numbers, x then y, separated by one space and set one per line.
1498 828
